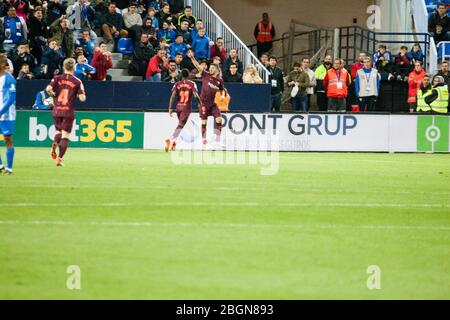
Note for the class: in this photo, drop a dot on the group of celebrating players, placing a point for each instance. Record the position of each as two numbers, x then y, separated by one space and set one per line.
66 88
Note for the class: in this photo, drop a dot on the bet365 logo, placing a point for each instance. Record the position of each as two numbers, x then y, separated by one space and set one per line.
432 134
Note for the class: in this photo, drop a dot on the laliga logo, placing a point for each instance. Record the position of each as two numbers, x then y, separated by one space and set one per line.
374 20
433 133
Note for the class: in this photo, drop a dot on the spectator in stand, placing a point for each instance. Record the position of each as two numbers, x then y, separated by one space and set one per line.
382 61
150 32
184 31
194 31
306 63
22 8
83 70
37 33
51 60
201 45
416 54
264 34
143 52
358 65
320 73
155 66
54 11
232 75
63 36
102 62
402 64
276 79
367 86
415 81
23 56
178 47
113 26
10 67
170 74
87 44
151 12
251 75
14 30
233 58
25 73
166 33
437 99
176 6
298 82
424 91
264 59
132 21
216 60
187 16
218 50
445 72
164 14
439 24
156 5
179 61
197 75
81 16
336 84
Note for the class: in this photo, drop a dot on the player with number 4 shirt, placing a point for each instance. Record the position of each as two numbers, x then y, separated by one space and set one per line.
65 88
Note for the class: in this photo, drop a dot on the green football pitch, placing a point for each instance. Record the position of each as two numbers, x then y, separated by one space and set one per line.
140 226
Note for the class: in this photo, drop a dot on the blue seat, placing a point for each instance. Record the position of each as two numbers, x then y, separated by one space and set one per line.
125 46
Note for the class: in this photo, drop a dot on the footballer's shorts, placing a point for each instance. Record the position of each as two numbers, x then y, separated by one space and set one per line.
183 115
7 127
63 123
205 112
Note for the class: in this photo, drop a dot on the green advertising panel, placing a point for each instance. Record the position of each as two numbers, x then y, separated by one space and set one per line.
433 134
90 130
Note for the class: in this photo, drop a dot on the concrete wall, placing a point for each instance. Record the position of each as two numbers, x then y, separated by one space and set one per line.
242 15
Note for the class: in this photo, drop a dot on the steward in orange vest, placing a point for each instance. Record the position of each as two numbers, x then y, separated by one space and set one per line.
264 33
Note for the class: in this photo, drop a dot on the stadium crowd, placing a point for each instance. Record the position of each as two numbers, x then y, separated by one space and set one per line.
37 36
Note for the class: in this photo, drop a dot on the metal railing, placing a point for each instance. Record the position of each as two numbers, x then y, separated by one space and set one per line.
216 27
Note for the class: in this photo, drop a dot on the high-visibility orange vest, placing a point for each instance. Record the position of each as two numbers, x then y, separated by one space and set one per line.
333 91
264 34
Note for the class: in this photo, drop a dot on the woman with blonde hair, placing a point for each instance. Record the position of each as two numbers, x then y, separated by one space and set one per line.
251 75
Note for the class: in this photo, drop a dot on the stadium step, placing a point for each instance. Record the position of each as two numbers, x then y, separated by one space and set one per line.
121 64
117 72
127 78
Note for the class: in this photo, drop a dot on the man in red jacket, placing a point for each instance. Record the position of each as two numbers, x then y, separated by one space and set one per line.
102 61
415 81
155 66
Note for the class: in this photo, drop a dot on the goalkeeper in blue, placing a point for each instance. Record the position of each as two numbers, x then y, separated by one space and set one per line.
7 114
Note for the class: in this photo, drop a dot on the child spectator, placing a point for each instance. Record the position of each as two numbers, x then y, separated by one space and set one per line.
201 45
25 73
382 61
83 70
102 61
402 64
415 81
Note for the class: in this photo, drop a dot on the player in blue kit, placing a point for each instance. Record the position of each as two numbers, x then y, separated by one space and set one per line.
7 113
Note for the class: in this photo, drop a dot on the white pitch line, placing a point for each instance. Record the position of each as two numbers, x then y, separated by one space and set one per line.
223 225
229 204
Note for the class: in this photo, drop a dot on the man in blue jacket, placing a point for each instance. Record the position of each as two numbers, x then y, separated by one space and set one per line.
201 45
178 47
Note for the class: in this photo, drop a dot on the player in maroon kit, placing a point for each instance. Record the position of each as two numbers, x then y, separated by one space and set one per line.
211 84
184 90
65 88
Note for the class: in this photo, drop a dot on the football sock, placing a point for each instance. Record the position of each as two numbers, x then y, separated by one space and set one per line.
9 158
63 147
58 138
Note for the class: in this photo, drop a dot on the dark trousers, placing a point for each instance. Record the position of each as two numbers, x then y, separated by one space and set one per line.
275 102
322 101
367 104
299 103
263 47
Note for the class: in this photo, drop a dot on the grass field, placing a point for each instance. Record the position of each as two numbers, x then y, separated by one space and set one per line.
139 226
